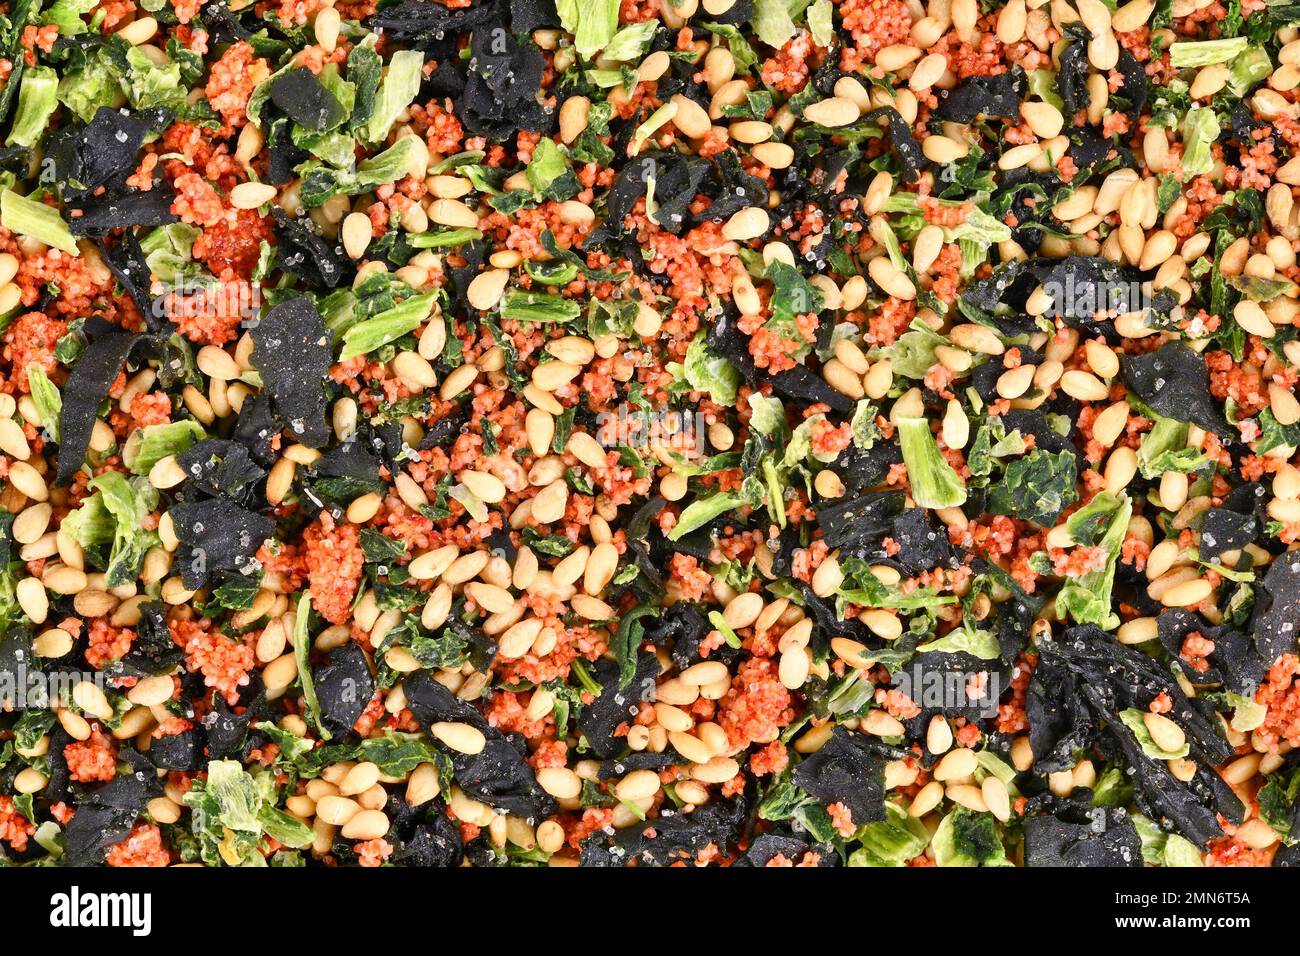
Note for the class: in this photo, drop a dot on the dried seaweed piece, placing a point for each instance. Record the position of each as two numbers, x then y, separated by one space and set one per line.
303 253
217 534
344 687
16 658
676 178
672 837
498 775
1173 381
176 751
1225 530
425 23
226 731
125 259
1097 836
256 427
99 155
99 215
500 95
1277 608
92 831
847 769
808 388
1233 662
616 705
437 843
220 468
305 101
905 145
976 96
86 388
1072 77
861 522
1134 90
154 650
1192 807
680 628
292 350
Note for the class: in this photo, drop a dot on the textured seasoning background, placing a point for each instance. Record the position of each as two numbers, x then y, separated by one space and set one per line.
737 432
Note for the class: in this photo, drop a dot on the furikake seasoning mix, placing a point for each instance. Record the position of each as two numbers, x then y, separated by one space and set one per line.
649 433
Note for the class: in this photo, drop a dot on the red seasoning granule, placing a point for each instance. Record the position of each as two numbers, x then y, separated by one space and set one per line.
143 847
1280 693
770 759
30 340
334 562
107 643
373 852
93 760
842 820
196 201
15 829
224 662
756 706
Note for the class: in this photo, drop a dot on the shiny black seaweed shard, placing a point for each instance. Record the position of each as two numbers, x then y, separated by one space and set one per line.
1088 837
302 253
501 84
676 179
616 705
106 814
848 769
344 687
92 831
292 350
861 522
671 837
176 751
499 775
85 390
100 154
217 534
153 651
98 215
220 468
905 145
1225 530
305 101
976 96
1277 608
1234 662
1173 381
1082 683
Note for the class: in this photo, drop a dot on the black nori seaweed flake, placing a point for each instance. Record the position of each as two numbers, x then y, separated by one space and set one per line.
976 96
498 775
1277 608
86 388
220 467
847 769
101 214
905 145
1225 530
292 350
1096 836
99 155
302 253
1173 381
671 837
305 101
1233 662
217 534
616 705
344 687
